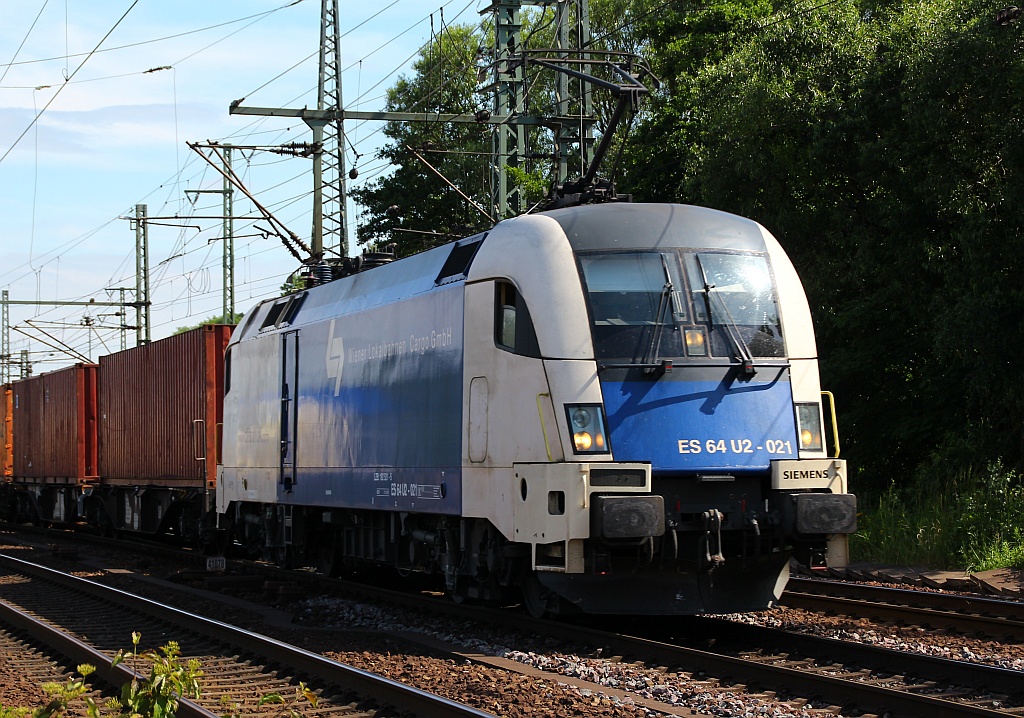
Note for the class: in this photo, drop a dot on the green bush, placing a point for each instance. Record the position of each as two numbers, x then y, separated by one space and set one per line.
971 522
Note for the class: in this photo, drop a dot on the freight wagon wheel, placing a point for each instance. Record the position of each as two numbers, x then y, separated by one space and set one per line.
213 542
535 596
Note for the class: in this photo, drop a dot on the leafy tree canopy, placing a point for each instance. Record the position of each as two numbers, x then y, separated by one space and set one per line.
218 319
878 143
877 140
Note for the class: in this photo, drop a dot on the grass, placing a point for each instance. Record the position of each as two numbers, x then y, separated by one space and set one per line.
972 522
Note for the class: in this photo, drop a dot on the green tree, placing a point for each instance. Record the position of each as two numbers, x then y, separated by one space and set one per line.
218 319
878 142
413 207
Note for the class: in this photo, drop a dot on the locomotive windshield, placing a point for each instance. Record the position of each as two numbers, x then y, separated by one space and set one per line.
677 304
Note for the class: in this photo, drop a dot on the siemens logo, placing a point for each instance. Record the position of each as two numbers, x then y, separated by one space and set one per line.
805 474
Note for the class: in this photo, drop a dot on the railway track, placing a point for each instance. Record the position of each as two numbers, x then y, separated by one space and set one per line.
965 613
88 623
840 674
772 663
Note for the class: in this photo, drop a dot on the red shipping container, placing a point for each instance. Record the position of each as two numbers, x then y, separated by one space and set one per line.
6 429
161 407
54 422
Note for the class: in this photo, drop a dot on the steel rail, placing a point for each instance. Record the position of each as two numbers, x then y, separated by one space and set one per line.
753 673
934 668
960 613
829 689
78 653
787 680
399 695
944 600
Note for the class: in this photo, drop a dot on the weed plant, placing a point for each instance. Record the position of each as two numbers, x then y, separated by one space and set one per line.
155 696
973 522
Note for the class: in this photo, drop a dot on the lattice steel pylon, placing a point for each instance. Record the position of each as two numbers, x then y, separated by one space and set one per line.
509 100
329 136
574 120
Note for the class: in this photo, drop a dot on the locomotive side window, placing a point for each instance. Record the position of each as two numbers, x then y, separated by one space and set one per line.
227 371
283 311
513 328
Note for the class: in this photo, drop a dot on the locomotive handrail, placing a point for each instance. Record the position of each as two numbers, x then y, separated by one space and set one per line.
835 423
543 428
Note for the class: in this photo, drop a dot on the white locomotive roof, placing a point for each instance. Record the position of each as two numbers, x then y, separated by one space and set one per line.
626 226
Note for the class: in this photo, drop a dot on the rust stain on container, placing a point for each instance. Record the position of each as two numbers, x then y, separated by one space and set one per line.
160 407
53 422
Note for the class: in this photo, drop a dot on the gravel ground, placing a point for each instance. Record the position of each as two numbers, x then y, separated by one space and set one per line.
351 632
911 639
674 689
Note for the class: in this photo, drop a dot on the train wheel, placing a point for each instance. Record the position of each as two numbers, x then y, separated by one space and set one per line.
458 592
213 542
283 556
328 554
535 596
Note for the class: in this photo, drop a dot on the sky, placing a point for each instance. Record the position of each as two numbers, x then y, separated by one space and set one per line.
98 99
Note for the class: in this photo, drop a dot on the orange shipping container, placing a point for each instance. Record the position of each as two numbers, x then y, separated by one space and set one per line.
161 409
54 425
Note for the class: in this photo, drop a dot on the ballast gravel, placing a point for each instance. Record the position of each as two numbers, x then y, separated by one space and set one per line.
673 689
505 693
909 639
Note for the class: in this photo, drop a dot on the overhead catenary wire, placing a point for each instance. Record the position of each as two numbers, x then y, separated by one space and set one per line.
150 41
190 170
67 80
32 27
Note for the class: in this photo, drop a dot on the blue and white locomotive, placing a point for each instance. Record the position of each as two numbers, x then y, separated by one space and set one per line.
609 408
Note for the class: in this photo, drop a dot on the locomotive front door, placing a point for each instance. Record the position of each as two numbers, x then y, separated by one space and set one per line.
289 398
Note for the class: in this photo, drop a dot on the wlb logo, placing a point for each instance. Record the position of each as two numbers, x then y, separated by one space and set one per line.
335 358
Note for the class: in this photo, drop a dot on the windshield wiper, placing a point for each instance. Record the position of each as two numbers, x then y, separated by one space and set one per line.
652 361
743 354
654 348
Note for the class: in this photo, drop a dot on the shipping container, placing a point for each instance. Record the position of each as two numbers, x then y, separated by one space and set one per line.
161 410
54 427
6 427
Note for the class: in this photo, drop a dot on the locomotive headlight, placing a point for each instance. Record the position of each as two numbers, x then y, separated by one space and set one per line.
586 424
808 425
581 418
695 343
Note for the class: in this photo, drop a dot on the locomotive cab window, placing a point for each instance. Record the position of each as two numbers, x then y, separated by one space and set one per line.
734 296
635 304
513 328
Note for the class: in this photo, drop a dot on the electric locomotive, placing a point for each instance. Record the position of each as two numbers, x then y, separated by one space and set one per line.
609 408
